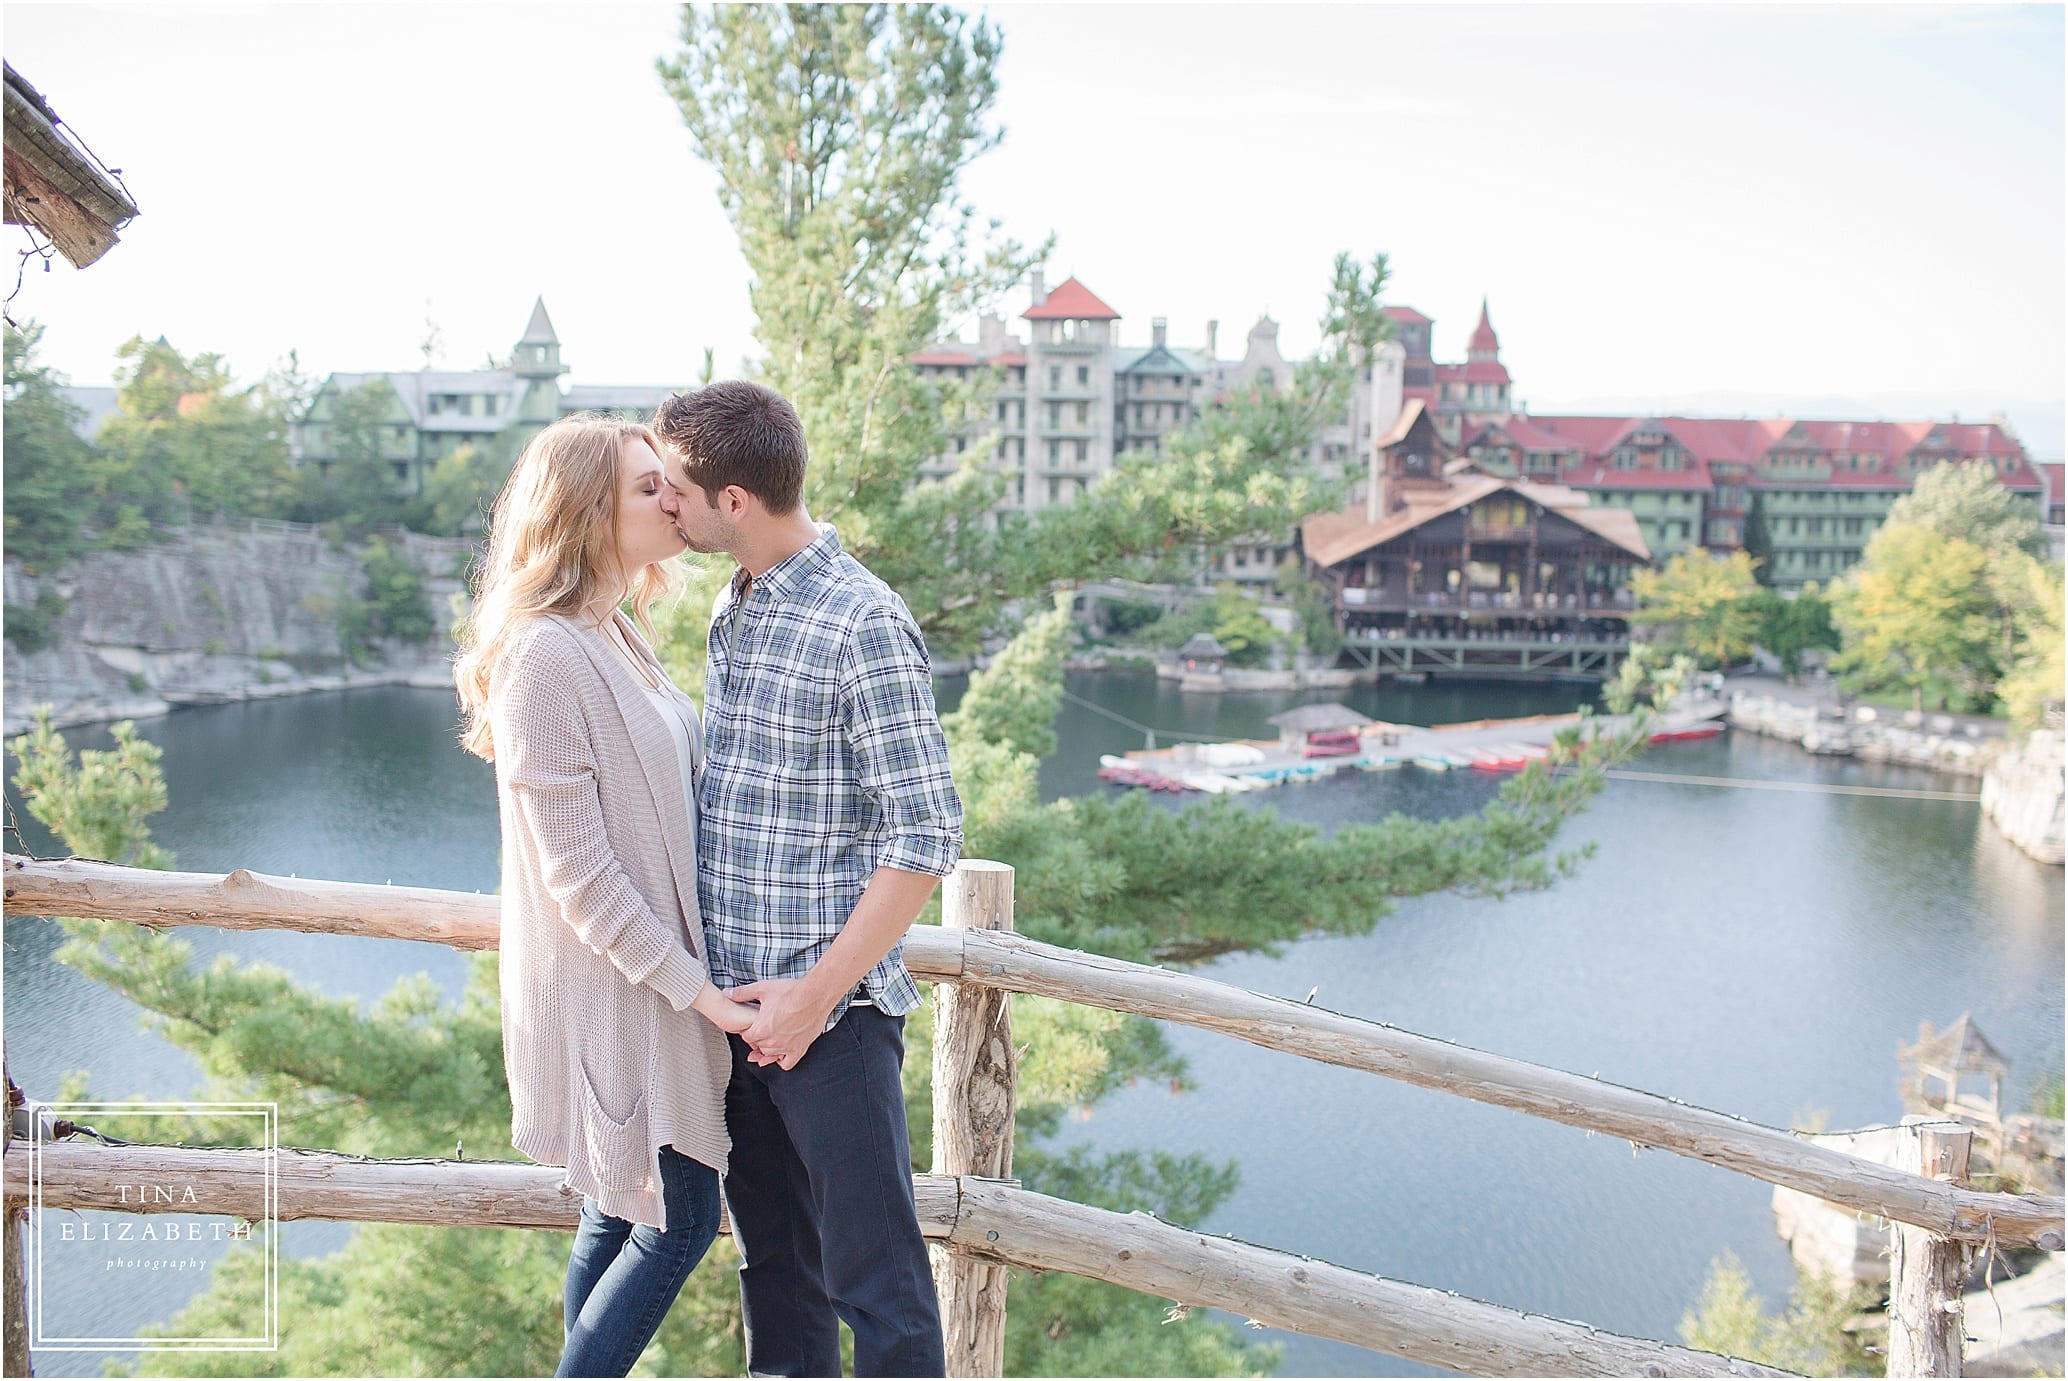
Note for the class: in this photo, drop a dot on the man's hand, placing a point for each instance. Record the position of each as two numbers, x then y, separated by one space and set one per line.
791 1019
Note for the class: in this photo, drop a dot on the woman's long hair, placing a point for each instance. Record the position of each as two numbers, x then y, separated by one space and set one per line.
552 548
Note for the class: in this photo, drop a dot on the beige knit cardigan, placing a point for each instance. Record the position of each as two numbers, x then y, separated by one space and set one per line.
602 940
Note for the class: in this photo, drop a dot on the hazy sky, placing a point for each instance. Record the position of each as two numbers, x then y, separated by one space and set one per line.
1731 206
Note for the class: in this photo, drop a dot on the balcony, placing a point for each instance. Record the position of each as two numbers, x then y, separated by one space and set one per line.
1484 602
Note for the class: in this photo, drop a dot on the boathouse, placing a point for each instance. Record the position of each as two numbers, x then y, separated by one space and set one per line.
1444 558
1296 726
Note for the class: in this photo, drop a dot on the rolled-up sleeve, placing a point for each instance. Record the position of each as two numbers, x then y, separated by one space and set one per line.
901 760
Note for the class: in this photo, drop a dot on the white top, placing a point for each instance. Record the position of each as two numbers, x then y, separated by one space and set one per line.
674 710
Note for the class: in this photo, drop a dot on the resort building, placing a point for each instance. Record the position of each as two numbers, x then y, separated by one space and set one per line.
425 415
1067 399
1470 570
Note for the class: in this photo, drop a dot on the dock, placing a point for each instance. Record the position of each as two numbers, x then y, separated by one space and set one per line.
1491 746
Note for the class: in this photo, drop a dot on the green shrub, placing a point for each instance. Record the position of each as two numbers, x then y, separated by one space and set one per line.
33 627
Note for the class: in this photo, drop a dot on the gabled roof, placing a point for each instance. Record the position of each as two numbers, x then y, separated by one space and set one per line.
1314 719
1960 1047
1332 538
1407 314
1403 424
1070 300
1157 359
539 330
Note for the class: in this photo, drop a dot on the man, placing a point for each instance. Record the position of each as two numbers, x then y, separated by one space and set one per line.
827 818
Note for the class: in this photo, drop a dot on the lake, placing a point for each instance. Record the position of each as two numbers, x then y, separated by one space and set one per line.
1757 952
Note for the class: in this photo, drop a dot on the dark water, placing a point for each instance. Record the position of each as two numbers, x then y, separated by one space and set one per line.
1759 952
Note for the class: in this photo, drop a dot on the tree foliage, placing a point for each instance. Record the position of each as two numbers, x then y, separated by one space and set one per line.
1788 626
1700 602
1807 1337
50 481
1918 612
1968 502
185 442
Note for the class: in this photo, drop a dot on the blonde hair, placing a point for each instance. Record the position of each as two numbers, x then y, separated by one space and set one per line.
552 548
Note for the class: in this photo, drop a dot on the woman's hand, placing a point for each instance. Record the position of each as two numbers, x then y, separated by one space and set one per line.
716 1006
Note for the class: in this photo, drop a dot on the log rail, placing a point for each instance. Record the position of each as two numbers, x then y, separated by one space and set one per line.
990 1221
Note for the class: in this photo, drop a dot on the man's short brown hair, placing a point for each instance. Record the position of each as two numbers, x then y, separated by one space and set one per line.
736 432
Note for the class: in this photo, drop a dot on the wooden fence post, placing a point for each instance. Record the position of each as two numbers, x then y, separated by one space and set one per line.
1927 1274
16 1351
974 1072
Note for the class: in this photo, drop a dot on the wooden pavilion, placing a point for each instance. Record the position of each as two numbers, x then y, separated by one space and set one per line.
1442 550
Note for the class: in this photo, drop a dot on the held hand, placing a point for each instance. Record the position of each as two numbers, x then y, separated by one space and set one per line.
789 1020
720 1009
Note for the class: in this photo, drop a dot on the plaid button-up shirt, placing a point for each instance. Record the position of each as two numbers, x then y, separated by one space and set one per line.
824 761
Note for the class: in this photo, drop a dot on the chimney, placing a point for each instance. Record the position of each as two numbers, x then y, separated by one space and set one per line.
990 334
1213 330
1157 328
1040 288
1375 492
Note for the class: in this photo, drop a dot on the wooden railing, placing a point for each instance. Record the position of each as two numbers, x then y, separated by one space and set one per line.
981 1221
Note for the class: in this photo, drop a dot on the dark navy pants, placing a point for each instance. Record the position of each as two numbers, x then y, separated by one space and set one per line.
820 1189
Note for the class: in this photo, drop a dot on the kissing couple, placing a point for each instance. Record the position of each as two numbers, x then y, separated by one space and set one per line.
702 916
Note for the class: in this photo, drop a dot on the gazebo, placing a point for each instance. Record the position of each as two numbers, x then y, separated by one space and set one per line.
1203 652
1934 1067
1295 725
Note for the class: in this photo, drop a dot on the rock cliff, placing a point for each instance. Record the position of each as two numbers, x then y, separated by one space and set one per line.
213 614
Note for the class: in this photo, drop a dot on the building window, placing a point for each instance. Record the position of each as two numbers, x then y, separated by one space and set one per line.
1083 414
1083 374
1055 377
1081 452
1055 454
1053 489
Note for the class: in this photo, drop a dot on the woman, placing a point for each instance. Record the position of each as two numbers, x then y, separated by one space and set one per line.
613 1037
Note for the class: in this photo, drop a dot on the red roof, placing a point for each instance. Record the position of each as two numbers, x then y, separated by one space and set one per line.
2051 475
1483 337
1596 476
1073 301
1407 314
1009 358
942 355
1485 372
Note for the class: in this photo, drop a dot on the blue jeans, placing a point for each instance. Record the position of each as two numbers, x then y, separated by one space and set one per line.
622 1276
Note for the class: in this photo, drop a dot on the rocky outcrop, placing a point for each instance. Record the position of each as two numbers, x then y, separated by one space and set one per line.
214 614
1940 746
2023 794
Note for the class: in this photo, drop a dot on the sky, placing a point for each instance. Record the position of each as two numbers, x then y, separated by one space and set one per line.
1730 209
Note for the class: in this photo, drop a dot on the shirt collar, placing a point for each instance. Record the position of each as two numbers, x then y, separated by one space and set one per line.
793 570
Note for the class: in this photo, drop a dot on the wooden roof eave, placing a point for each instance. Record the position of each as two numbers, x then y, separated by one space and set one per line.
53 185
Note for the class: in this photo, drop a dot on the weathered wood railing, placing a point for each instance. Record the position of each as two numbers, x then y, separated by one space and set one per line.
983 1222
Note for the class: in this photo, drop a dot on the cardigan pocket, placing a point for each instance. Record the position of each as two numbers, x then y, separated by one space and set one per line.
619 1150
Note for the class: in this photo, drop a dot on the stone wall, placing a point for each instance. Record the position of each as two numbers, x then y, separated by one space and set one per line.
214 614
1943 748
